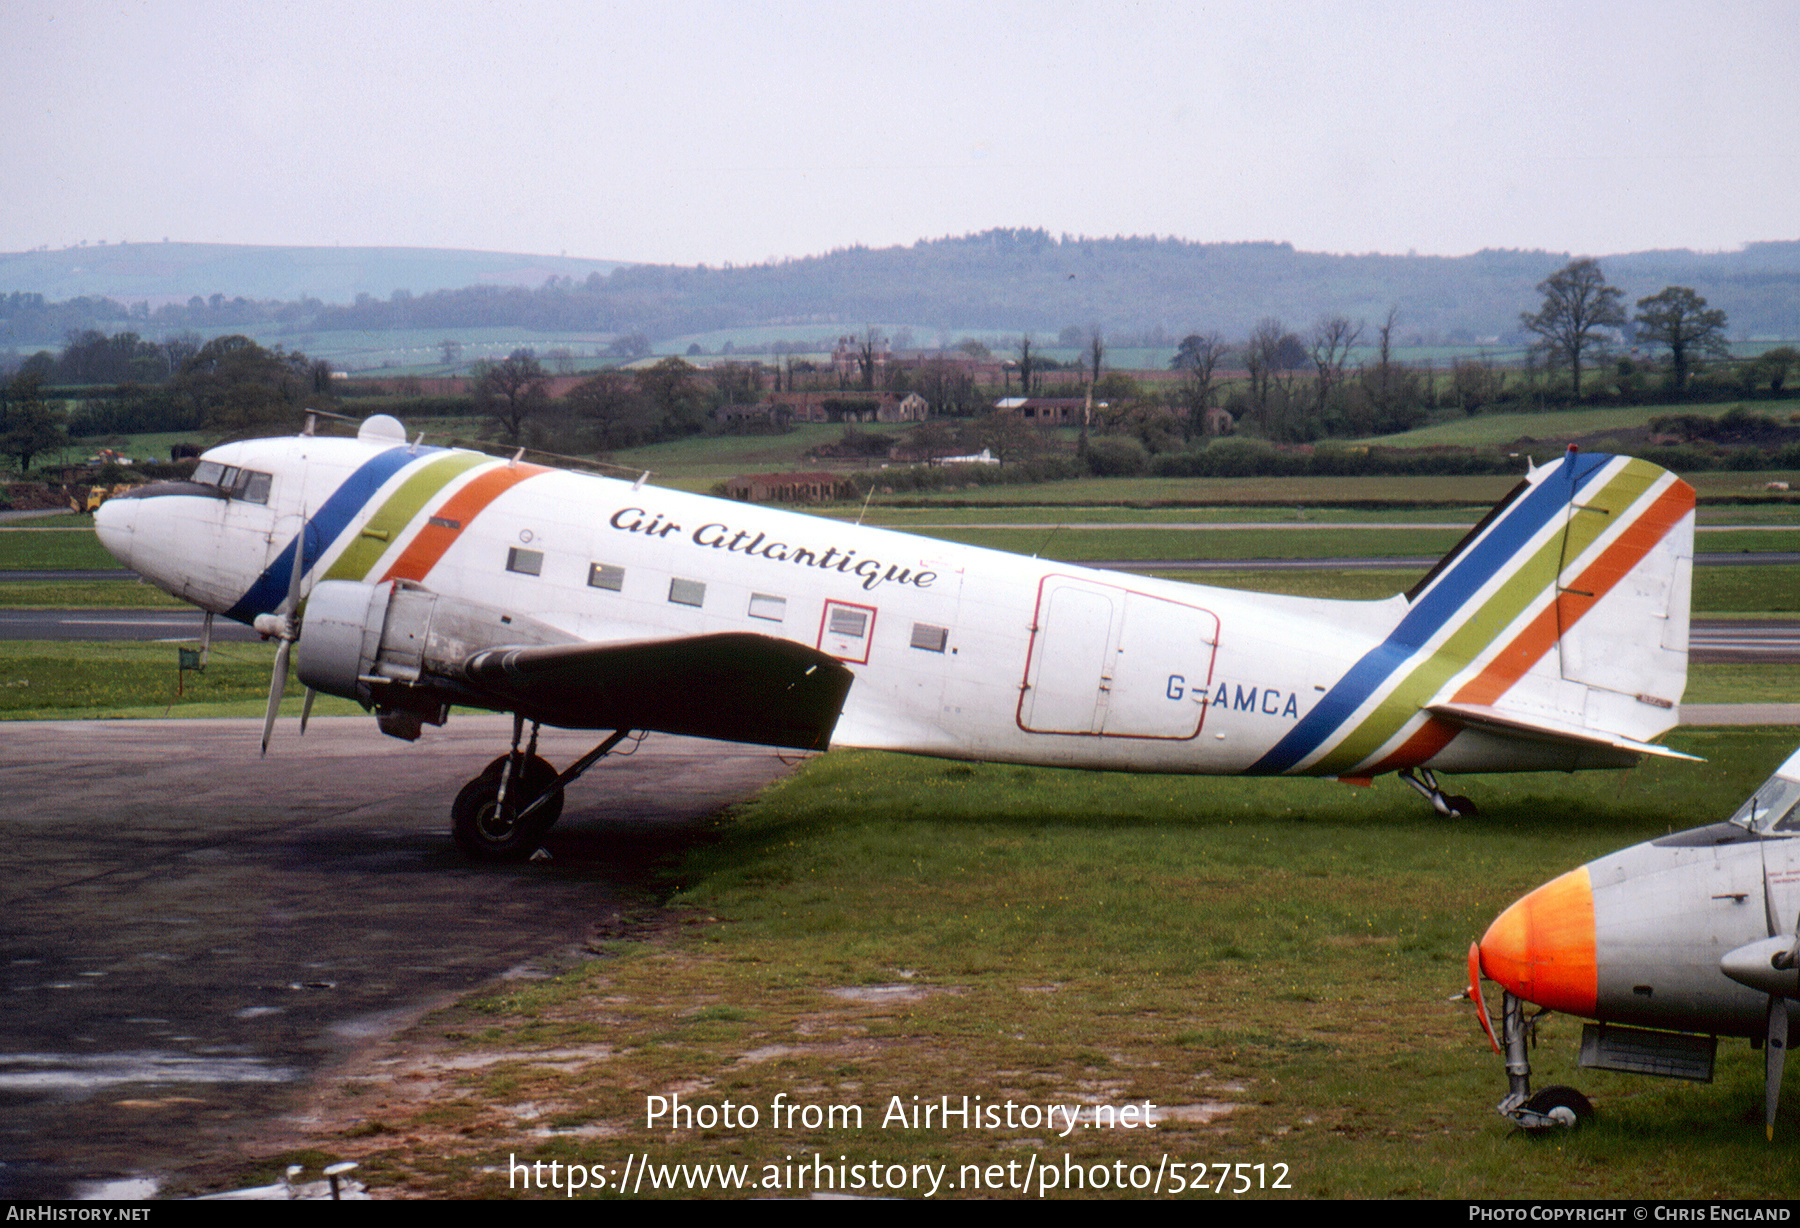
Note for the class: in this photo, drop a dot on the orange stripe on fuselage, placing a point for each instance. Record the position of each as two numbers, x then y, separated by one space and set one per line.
1542 632
417 560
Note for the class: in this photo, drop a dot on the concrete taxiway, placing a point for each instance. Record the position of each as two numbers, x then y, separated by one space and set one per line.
191 930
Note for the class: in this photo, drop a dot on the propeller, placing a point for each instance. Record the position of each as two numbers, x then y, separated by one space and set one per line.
1770 966
1775 1041
284 625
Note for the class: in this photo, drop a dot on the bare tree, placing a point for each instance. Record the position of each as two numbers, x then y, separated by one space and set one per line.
869 353
1259 360
1199 354
1332 340
1025 362
1578 306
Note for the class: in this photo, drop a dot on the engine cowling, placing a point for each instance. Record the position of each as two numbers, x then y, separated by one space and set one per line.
399 648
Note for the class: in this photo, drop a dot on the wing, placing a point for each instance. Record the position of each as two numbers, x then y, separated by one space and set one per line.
736 687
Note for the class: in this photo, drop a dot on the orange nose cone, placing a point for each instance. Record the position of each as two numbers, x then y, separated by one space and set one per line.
1542 948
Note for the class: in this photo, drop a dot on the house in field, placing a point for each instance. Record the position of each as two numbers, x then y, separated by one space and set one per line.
852 407
817 487
1048 411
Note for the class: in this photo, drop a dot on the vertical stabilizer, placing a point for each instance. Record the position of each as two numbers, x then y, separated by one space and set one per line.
1561 620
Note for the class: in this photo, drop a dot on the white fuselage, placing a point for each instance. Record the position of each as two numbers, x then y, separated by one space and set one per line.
957 651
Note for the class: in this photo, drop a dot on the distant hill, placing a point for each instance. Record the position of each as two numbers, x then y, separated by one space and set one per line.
1003 280
159 273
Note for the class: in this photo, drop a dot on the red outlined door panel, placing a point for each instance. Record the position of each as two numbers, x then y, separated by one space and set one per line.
1109 661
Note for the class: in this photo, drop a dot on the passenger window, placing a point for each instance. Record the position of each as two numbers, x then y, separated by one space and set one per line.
525 562
845 621
602 575
930 638
762 605
687 592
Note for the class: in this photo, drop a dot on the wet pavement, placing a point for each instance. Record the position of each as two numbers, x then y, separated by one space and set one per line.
190 931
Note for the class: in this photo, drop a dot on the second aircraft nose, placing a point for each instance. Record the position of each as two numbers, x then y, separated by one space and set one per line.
1542 948
113 522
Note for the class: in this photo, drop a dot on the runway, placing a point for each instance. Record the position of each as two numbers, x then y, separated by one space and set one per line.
192 931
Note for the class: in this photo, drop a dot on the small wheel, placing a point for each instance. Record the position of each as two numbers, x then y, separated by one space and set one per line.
487 832
1464 807
1565 1106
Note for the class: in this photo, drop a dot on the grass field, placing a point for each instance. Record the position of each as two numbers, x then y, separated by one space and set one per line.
1272 962
1275 964
1492 430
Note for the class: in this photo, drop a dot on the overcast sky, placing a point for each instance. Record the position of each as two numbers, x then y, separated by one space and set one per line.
728 131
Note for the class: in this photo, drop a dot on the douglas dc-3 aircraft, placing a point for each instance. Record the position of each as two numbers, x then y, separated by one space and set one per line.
1667 946
414 578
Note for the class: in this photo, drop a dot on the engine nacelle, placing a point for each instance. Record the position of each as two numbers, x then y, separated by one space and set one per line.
399 648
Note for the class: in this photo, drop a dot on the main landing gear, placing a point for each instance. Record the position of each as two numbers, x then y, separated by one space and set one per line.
503 813
1450 805
1551 1108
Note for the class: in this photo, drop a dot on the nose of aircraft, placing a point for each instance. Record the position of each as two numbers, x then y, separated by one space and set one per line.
1542 948
113 521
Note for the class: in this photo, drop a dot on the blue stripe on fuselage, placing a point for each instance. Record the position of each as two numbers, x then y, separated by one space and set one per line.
321 529
1435 607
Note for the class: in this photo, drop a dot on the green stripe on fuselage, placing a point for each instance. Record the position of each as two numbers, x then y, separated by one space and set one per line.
402 507
1526 584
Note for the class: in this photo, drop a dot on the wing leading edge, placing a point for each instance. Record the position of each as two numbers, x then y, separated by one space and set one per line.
736 687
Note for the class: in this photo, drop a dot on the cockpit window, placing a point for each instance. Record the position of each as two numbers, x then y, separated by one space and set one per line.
1774 807
245 484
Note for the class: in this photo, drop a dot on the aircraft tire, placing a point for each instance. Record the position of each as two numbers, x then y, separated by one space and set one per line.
1569 1107
485 835
538 775
1465 809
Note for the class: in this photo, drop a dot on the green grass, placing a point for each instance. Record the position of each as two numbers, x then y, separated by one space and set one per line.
66 681
1492 430
1291 949
37 548
110 594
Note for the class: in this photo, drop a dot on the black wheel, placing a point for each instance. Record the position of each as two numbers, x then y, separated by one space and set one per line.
537 777
486 832
1464 807
1565 1106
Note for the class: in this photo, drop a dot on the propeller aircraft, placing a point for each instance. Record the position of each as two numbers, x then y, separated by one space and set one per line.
1666 946
413 578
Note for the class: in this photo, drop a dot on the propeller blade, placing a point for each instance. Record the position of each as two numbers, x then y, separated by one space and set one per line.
1774 1054
306 710
277 684
1475 996
292 601
286 622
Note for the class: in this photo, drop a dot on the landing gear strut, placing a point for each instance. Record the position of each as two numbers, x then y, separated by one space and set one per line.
1450 805
1552 1108
503 813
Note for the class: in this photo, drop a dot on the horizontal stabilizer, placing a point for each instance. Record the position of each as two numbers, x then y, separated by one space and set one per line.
735 687
1511 724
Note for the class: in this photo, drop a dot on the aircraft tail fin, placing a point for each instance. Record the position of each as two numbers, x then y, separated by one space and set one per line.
1555 634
